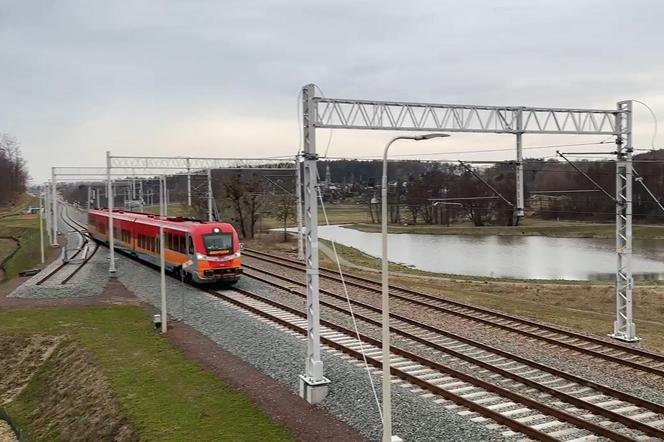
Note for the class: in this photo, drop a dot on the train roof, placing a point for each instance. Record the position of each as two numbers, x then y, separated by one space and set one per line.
171 222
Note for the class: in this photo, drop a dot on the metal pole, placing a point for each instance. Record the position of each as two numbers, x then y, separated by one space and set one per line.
54 208
209 196
188 184
387 393
41 224
162 253
46 215
520 202
623 327
298 192
140 197
167 196
109 197
313 385
385 289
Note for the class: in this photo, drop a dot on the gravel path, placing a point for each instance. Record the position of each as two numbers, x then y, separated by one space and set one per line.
281 356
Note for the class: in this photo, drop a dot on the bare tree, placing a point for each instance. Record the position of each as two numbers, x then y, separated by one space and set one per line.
245 194
284 210
13 173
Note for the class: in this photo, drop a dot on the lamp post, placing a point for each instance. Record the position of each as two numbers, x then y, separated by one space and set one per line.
387 394
41 224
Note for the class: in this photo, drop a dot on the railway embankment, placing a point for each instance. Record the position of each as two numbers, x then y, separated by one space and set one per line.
53 390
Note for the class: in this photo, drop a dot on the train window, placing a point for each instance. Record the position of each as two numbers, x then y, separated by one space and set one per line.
218 243
191 245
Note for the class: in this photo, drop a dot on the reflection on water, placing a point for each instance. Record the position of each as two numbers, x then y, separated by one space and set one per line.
532 257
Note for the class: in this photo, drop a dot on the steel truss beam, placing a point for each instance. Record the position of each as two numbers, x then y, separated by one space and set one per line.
336 113
393 115
189 163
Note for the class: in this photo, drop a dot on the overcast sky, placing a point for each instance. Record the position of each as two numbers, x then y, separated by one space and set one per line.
221 78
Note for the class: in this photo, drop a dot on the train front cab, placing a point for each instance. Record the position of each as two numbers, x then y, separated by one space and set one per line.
214 256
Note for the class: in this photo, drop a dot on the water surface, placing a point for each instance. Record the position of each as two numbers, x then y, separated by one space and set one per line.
532 257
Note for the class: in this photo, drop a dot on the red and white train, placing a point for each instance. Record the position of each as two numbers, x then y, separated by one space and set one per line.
201 251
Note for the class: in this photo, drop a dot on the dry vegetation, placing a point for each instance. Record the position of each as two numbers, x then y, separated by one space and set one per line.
583 306
55 391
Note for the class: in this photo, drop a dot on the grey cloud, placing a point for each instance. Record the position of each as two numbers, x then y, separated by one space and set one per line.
67 65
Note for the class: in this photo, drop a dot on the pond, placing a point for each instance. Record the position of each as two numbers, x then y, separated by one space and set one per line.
531 257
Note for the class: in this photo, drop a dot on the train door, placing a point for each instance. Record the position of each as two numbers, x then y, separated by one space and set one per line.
190 267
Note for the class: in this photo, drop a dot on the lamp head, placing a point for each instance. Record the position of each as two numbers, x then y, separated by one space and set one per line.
430 136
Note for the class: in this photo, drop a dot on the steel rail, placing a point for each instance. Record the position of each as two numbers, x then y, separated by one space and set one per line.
505 326
625 420
87 258
530 403
63 264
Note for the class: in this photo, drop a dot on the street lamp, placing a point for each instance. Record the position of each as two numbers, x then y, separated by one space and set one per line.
387 394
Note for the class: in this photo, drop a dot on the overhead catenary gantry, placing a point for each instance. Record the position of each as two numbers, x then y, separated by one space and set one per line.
162 164
339 113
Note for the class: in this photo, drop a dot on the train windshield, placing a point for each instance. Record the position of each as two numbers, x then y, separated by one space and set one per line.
218 243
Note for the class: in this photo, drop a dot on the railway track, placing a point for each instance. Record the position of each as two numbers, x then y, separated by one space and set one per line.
527 397
621 355
505 404
572 390
84 248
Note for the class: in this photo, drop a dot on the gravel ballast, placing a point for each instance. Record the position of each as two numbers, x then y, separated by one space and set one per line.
89 281
281 356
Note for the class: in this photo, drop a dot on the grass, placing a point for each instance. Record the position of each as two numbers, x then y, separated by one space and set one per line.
530 227
26 229
23 202
336 213
174 209
580 305
165 396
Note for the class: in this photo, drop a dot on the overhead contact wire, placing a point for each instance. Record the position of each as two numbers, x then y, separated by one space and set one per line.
350 309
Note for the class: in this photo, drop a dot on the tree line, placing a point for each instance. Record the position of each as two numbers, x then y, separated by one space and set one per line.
13 170
440 193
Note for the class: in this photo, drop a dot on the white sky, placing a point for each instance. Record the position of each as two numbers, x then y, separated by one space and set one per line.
221 78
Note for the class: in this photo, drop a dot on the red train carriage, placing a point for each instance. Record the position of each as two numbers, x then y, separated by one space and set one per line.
202 251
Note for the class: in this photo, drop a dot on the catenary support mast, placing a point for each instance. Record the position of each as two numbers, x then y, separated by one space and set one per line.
298 196
188 183
109 198
54 210
624 328
520 199
209 195
313 385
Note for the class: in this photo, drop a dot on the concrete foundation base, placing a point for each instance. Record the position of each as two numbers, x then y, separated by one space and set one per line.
313 392
623 338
